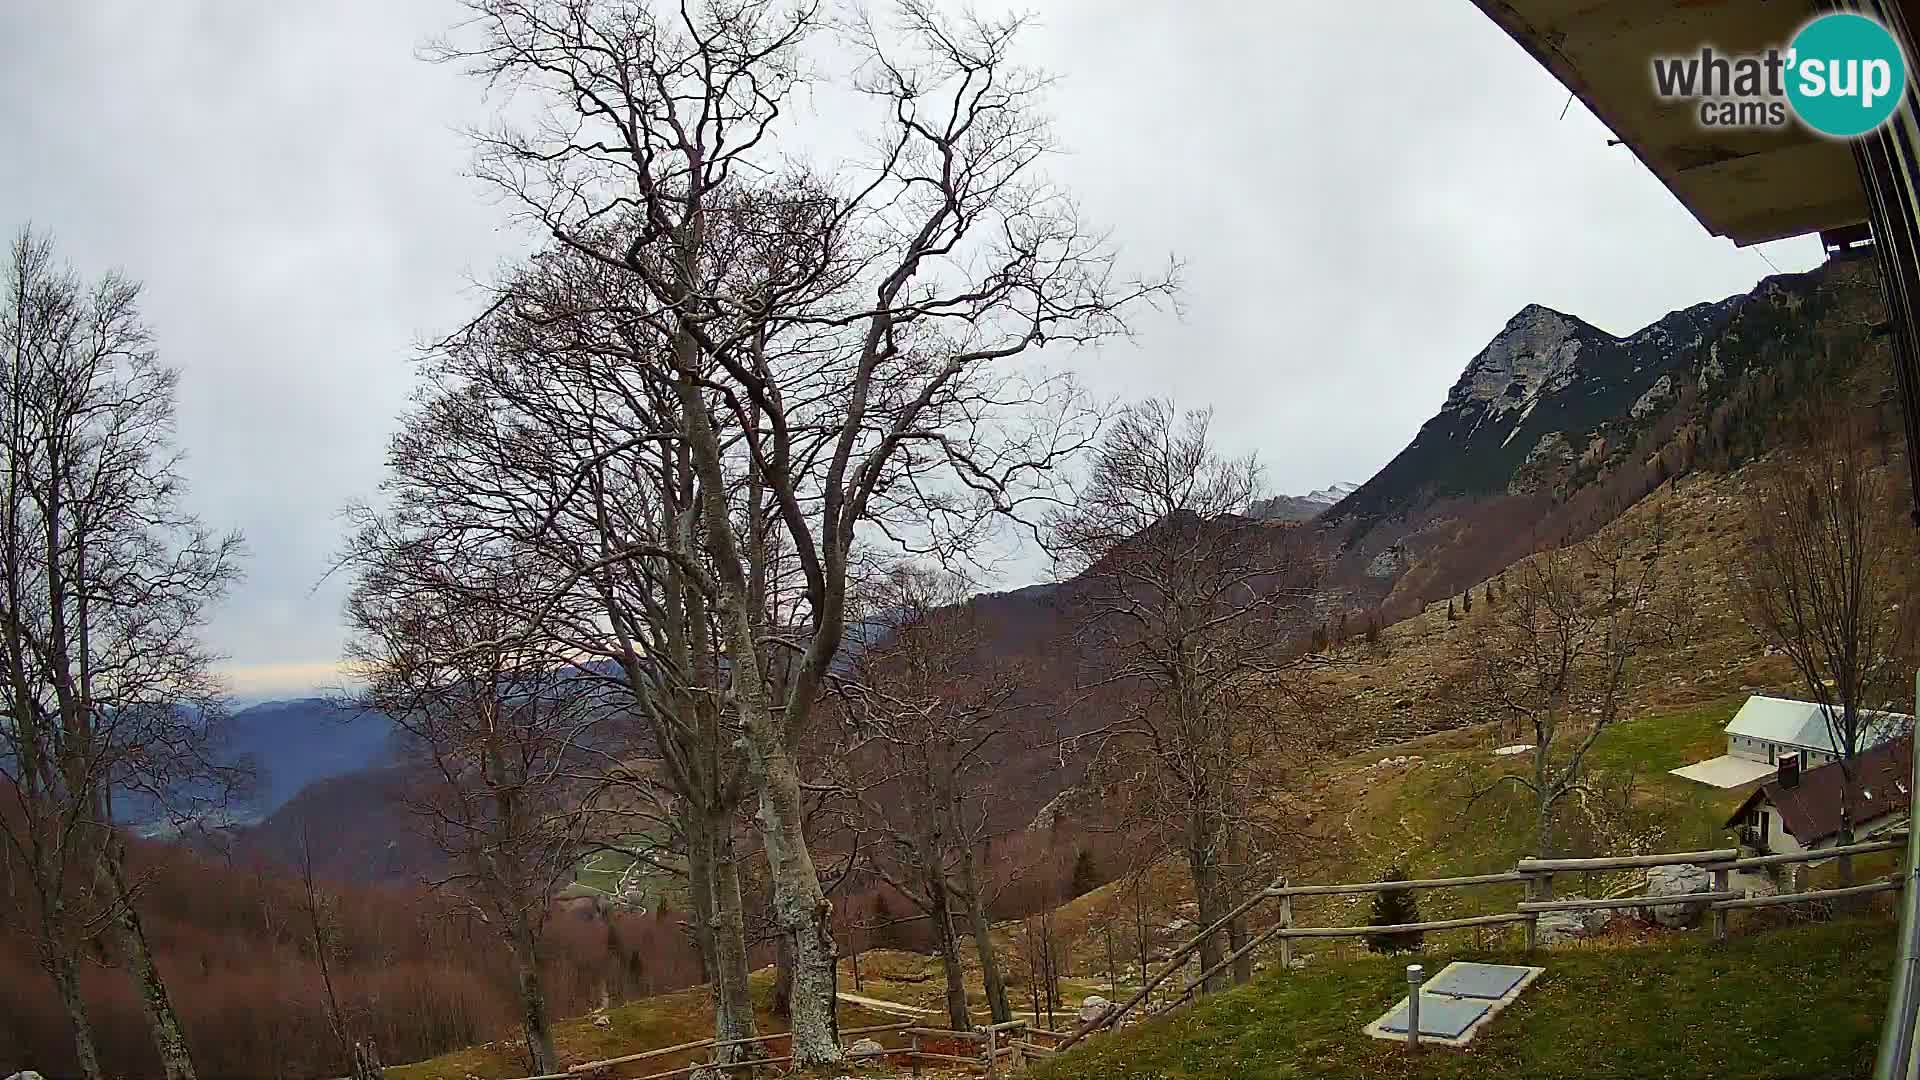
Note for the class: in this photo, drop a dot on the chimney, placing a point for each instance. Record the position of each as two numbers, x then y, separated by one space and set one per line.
1789 770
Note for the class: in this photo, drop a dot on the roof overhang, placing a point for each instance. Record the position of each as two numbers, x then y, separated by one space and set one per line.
1749 186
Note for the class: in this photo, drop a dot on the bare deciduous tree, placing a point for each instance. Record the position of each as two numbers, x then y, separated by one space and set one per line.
538 435
321 909
495 725
1559 655
1828 578
1192 614
107 691
924 717
852 368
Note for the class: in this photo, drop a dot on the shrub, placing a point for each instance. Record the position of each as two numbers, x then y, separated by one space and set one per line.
1392 907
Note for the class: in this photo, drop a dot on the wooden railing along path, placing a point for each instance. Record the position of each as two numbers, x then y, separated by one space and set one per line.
1016 1041
1537 877
1002 1046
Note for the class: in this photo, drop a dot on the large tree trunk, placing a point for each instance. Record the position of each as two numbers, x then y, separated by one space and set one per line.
957 1017
700 888
533 995
1203 861
990 976
65 970
1237 936
719 927
783 976
800 909
168 1038
732 1002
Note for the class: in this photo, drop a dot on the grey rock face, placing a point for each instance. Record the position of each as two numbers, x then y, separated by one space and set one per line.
1677 881
1558 927
1093 1008
1535 354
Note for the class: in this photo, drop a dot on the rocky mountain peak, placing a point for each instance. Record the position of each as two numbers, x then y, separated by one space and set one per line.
1537 352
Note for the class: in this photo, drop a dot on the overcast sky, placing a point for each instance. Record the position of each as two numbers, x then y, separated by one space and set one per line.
1361 204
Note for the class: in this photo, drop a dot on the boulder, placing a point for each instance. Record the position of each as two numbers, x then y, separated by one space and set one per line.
865 1049
602 1020
27 1074
1556 927
1093 1007
1679 880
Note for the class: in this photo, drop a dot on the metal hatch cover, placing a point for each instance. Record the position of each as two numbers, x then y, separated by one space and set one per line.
1468 980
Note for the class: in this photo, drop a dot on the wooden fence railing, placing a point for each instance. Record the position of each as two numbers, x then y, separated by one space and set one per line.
1536 875
1015 1042
1002 1046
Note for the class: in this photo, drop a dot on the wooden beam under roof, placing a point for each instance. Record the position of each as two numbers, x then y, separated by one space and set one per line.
1749 186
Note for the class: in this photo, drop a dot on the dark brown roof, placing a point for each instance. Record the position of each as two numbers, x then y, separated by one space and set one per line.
1810 810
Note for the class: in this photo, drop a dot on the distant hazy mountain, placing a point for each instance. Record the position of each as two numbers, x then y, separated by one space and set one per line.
1301 507
294 743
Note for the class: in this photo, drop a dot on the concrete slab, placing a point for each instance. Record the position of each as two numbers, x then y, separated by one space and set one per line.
1726 771
1441 1013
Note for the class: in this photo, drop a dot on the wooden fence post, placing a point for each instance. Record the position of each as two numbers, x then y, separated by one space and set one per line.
913 1051
993 1047
1286 920
1533 924
1719 913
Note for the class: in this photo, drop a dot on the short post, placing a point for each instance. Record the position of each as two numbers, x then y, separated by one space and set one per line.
913 1051
1719 913
1533 919
993 1048
1414 977
1286 921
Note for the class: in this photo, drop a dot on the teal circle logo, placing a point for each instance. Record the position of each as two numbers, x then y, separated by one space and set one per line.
1846 75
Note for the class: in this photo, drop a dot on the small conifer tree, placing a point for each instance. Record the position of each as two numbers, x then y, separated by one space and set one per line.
1086 877
1392 907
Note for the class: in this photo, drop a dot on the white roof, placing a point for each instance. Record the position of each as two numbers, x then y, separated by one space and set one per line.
1803 724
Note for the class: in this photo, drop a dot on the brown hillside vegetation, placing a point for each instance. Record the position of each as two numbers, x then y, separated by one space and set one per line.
235 945
1416 680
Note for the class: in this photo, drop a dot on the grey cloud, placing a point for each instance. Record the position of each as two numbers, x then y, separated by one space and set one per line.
1361 200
